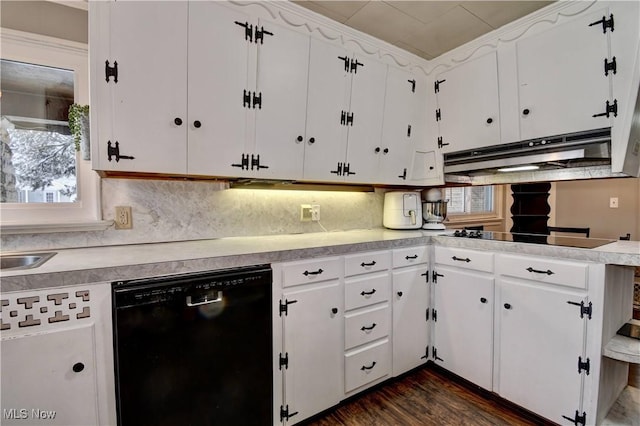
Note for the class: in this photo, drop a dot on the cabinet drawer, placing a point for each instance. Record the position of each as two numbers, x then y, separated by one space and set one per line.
365 365
366 326
410 256
367 290
463 258
310 271
366 262
551 271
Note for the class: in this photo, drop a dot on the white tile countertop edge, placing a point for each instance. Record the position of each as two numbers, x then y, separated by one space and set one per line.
113 263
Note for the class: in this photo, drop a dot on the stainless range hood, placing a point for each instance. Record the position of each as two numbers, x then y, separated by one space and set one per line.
578 152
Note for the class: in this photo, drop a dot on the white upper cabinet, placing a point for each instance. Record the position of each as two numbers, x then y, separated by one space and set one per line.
562 85
344 114
468 113
247 88
139 86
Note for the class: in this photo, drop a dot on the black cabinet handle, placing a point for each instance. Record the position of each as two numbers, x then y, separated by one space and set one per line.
525 111
368 264
415 256
548 272
377 150
399 294
460 259
507 306
368 368
312 140
78 367
307 273
385 151
371 327
483 300
178 121
489 120
334 310
299 139
367 293
197 124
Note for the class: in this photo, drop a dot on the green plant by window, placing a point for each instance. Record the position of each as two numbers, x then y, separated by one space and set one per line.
76 114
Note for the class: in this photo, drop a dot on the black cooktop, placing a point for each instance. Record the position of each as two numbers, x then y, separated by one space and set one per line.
552 240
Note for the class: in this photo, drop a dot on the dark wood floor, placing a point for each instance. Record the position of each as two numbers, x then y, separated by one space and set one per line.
427 396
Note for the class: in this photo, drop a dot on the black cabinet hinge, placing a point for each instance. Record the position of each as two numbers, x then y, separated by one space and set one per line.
111 71
413 85
345 60
250 35
257 100
246 99
584 365
434 354
426 276
346 171
346 118
284 413
426 353
354 66
440 143
610 109
338 170
260 33
606 23
284 306
610 66
584 310
426 314
114 152
403 176
434 315
244 164
251 100
438 115
350 119
577 418
436 85
255 162
284 361
248 30
434 277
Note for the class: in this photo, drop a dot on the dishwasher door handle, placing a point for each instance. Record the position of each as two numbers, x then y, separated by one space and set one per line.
204 300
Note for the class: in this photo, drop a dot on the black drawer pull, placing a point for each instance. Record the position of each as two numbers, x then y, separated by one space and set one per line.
78 367
415 256
364 367
460 259
548 272
368 328
400 294
507 306
364 265
334 310
177 121
483 300
318 272
367 293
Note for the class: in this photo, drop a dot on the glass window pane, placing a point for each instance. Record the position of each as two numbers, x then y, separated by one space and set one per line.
470 199
38 151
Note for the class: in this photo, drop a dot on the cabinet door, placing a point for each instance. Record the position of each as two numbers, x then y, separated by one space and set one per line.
561 78
463 337
367 107
283 62
314 344
410 327
219 58
328 96
150 96
468 104
50 378
540 338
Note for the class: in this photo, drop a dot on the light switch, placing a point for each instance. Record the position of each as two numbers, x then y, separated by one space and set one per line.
613 202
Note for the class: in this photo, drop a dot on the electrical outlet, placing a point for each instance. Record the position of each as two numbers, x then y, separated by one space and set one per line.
305 213
613 202
315 212
123 218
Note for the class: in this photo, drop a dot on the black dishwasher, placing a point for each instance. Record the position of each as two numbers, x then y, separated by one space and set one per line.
194 349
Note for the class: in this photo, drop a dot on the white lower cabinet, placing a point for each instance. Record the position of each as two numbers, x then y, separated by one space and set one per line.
57 363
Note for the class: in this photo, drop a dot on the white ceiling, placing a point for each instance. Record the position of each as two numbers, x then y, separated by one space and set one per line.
425 28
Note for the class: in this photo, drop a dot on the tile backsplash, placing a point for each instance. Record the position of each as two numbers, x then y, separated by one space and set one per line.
166 210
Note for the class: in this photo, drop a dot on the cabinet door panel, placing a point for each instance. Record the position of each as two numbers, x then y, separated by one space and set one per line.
314 344
367 107
219 57
328 96
283 62
469 106
410 327
151 89
46 380
541 337
463 333
565 59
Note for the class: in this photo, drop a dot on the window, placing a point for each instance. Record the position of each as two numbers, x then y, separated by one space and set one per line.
68 194
470 200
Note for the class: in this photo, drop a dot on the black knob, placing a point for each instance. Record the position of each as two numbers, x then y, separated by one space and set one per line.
377 150
507 306
489 120
197 124
312 140
525 111
483 300
399 294
334 310
299 138
78 367
178 121
385 151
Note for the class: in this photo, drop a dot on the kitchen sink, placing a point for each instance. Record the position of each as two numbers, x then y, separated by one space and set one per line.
23 261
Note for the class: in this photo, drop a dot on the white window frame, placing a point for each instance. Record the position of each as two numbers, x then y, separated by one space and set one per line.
84 214
492 217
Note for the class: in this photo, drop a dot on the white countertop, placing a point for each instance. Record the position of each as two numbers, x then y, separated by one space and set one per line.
112 263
